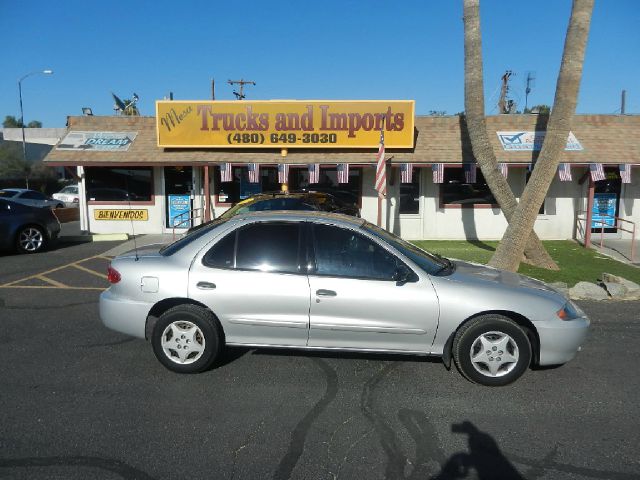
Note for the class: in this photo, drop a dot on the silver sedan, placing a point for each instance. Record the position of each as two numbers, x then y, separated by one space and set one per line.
309 280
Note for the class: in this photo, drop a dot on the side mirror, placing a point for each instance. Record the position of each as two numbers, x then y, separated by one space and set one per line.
404 274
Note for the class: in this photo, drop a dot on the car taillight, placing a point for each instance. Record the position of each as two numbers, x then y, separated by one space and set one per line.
113 276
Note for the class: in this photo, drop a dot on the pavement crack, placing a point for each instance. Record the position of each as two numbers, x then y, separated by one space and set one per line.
299 434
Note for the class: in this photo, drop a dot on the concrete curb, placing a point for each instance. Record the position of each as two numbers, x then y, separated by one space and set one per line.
102 237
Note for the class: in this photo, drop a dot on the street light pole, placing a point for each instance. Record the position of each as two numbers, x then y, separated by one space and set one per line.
24 143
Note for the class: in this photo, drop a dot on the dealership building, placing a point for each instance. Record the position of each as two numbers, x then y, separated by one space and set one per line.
195 159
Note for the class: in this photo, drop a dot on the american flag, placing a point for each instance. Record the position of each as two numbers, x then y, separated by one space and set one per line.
597 172
226 174
470 173
314 173
438 172
504 169
283 173
406 172
625 172
564 172
343 173
254 172
381 168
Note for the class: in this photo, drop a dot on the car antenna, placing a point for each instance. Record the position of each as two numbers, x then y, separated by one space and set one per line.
133 233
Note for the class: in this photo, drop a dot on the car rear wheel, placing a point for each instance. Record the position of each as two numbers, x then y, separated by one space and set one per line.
186 339
492 350
31 239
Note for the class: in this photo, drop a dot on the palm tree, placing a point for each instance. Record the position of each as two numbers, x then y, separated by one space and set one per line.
512 245
475 118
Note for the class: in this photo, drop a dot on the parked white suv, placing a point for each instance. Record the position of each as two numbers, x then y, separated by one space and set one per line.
69 196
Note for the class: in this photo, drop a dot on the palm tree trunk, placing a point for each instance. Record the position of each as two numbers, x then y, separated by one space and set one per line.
476 124
513 242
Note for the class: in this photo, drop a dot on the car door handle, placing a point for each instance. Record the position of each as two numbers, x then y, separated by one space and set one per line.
325 293
205 285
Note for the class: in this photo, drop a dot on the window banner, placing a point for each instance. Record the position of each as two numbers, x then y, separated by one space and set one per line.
604 210
179 208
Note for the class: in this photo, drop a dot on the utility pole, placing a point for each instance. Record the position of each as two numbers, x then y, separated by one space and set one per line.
623 102
240 95
213 89
504 105
530 81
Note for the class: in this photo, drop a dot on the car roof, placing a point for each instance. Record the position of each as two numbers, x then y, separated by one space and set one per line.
15 189
303 216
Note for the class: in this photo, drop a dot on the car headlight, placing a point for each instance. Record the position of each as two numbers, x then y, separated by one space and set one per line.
569 311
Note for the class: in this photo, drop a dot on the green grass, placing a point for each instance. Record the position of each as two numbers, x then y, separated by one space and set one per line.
576 262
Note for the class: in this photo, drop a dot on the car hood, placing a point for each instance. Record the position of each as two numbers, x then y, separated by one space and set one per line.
485 274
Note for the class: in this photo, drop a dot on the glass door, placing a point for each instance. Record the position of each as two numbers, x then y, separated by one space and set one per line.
178 191
606 201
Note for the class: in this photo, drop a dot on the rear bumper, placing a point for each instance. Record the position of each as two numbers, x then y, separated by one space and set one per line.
561 340
124 315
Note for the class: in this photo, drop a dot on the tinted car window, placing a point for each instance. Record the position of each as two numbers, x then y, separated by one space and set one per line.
33 196
269 247
179 244
7 193
344 253
221 254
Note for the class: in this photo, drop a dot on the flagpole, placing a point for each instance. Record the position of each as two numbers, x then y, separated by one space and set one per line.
379 222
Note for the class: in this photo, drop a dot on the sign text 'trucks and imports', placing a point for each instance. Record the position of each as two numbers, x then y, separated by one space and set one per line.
285 124
140 215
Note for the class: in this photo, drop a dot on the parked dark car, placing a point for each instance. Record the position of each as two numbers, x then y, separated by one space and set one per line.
319 201
30 197
26 229
310 201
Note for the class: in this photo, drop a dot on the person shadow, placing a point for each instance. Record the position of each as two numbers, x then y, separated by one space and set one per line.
484 457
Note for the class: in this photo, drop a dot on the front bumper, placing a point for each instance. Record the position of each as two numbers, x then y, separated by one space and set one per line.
124 315
560 340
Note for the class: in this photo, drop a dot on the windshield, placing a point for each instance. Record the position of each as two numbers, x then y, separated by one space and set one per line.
430 263
195 234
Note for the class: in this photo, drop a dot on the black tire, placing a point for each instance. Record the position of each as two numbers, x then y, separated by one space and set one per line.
31 239
197 326
504 340
59 205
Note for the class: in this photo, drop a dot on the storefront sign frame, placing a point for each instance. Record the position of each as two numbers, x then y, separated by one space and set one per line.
97 141
111 214
285 124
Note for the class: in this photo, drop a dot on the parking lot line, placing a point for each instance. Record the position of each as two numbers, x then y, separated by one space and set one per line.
55 283
42 276
88 270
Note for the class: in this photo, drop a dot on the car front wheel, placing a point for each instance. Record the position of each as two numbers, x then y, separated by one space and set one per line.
31 239
186 339
492 350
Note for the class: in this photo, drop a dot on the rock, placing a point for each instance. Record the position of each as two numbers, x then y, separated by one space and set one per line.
587 291
562 287
616 290
628 284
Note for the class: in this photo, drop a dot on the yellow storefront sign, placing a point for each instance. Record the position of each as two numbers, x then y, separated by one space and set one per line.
285 124
112 214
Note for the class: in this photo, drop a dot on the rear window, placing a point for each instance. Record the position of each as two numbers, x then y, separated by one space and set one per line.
7 193
179 244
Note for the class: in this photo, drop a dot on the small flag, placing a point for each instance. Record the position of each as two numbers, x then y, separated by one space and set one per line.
438 172
343 173
381 168
406 173
470 173
254 172
504 169
225 173
625 172
314 172
597 172
564 172
283 173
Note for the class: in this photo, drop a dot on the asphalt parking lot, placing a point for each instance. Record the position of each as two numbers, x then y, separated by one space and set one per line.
80 401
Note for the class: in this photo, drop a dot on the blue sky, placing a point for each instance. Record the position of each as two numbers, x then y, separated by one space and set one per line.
367 49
